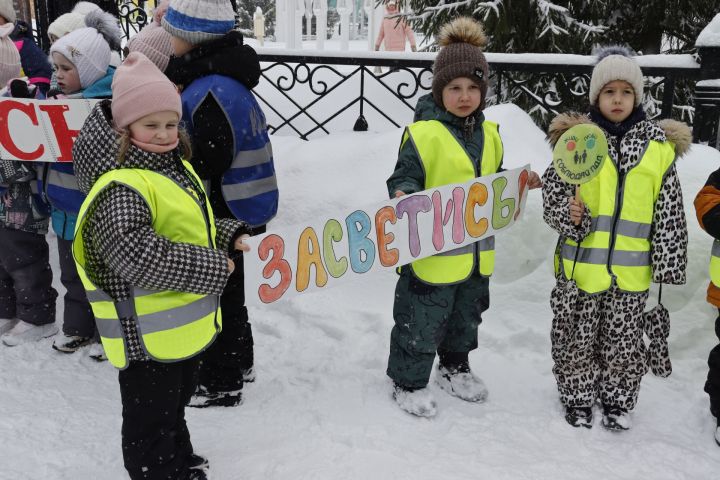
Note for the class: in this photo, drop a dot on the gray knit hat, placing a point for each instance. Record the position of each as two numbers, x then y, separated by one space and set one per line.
461 55
198 21
7 11
615 63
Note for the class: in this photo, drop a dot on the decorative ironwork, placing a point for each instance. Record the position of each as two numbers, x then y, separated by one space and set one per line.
543 89
133 16
325 80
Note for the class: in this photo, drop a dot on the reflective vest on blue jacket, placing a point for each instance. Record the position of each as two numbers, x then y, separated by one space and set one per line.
249 186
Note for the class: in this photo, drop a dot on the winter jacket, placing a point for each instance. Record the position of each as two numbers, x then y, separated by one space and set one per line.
668 237
34 61
231 147
394 34
58 180
409 176
707 209
121 247
22 207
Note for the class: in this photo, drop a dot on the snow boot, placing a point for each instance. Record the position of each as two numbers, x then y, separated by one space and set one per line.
70 343
97 352
460 382
24 332
616 419
579 416
204 398
416 401
197 461
7 323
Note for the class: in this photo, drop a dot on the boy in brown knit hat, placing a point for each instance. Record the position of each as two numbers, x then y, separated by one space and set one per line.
439 300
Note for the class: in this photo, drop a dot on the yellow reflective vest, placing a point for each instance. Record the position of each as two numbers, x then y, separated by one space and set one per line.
715 264
445 161
172 325
622 210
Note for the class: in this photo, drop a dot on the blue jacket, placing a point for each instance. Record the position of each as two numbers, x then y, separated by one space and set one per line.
58 181
249 186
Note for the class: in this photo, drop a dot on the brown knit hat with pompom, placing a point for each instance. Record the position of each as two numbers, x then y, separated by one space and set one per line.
461 55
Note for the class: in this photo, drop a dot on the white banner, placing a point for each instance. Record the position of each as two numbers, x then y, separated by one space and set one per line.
324 252
41 130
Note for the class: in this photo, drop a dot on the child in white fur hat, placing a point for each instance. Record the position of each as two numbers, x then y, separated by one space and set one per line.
627 230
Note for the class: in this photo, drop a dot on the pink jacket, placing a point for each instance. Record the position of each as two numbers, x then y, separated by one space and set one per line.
394 35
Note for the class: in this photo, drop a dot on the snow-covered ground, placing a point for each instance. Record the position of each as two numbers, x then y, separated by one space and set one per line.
321 406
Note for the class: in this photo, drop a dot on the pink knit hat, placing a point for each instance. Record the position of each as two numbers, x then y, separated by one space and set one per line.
9 56
139 88
155 43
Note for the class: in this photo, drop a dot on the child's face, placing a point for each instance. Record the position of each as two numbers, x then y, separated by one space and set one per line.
160 128
66 74
180 46
616 100
461 97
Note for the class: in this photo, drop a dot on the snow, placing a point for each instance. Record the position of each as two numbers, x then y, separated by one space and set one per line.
321 406
710 35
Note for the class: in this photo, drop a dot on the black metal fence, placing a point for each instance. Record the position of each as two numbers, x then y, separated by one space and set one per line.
344 91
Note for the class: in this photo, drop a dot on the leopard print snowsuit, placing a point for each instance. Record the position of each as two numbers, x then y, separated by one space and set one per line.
597 345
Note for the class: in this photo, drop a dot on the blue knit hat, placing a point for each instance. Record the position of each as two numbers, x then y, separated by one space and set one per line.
198 21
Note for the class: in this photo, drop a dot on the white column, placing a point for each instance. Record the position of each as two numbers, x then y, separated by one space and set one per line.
300 6
375 17
344 12
290 37
320 8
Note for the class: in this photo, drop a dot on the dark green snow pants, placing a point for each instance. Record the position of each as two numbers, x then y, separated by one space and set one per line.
430 318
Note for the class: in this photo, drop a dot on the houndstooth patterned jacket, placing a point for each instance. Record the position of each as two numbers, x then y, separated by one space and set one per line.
122 248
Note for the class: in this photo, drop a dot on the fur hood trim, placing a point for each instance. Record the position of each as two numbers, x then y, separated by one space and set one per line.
678 133
562 123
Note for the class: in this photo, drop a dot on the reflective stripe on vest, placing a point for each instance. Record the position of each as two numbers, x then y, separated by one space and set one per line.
715 264
171 325
618 244
445 161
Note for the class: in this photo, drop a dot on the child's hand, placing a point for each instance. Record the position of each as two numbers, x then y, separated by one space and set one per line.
239 245
399 193
577 210
533 181
231 266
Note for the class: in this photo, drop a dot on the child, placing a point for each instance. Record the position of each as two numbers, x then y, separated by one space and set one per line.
438 304
35 65
394 33
232 154
631 228
82 63
707 208
27 298
148 251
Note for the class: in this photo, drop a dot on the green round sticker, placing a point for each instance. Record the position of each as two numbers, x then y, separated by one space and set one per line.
579 154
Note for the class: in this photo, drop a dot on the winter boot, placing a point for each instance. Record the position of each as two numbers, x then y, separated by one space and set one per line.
615 418
7 323
579 416
460 382
97 352
204 398
197 461
24 332
416 401
70 343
